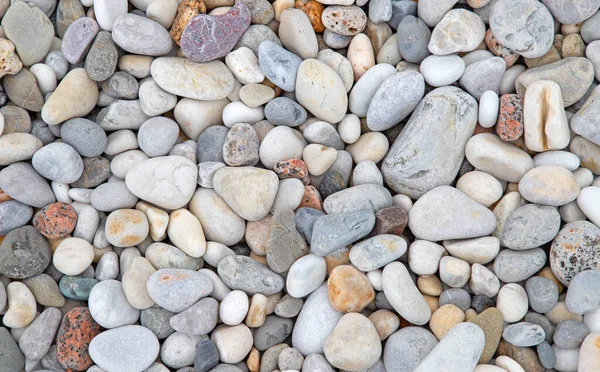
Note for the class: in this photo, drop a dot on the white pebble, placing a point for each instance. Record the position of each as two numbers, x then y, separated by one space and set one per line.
489 104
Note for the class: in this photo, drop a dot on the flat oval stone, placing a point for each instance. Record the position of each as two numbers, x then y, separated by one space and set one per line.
447 213
77 288
24 253
39 335
109 306
403 294
284 111
58 162
395 99
476 250
563 159
524 334
141 35
440 71
549 185
208 37
376 252
306 275
569 334
570 13
406 348
75 96
248 275
12 358
177 289
458 31
13 214
335 231
85 136
365 88
582 121
530 226
484 75
373 197
440 154
542 294
111 196
279 65
297 34
78 39
413 37
219 222
106 349
21 182
183 77
101 60
199 319
525 26
514 266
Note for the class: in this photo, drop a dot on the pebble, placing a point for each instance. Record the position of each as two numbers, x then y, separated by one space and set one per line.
37 338
404 295
78 39
285 245
439 162
13 214
75 96
588 353
491 322
77 329
341 348
413 38
458 31
439 71
109 306
424 257
580 295
156 319
207 355
248 275
85 136
332 232
126 227
12 358
481 187
406 348
559 184
136 348
24 184
323 133
21 306
348 289
570 334
512 302
73 256
227 228
524 334
24 253
101 60
233 343
177 289
586 200
542 294
530 226
297 35
514 266
377 252
344 20
561 158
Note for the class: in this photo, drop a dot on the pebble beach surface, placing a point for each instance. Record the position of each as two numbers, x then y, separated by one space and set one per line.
299 185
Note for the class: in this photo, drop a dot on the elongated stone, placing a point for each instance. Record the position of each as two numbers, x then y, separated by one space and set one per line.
248 275
285 244
335 231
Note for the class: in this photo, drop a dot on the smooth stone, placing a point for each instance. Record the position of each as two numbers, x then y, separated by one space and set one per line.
549 185
129 348
210 144
454 272
569 334
459 349
365 88
45 290
109 306
323 133
546 355
297 35
336 41
570 13
148 181
156 319
401 9
219 222
122 114
76 288
241 146
530 226
468 218
314 324
581 295
406 348
340 64
233 343
233 308
207 356
305 220
377 252
305 275
30 30
285 244
11 358
356 198
342 349
24 253
126 227
284 111
457 297
121 85
101 60
140 35
417 177
573 251
524 26
111 196
21 182
432 12
481 187
179 349
155 101
85 136
164 256
524 334
413 37
403 295
332 232
13 214
366 172
75 96
243 63
37 338
108 267
321 91
58 162
274 331
588 354
574 75
248 275
491 322
586 200
177 289
78 39
288 306
157 136
424 257
256 34
21 306
255 95
249 191
512 302
582 121
193 116
182 77
483 75
563 159
440 71
542 293
198 41
281 143
514 266
458 31
23 90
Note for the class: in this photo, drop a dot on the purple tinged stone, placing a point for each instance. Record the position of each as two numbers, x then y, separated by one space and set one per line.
207 37
78 39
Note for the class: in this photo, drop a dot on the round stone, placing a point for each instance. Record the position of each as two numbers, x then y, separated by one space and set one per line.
109 306
58 162
177 289
73 256
106 349
77 329
55 220
87 137
24 253
126 227
406 348
157 136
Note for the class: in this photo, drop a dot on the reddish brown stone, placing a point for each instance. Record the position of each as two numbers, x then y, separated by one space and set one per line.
391 220
313 10
55 220
500 50
311 199
525 356
293 168
510 120
76 331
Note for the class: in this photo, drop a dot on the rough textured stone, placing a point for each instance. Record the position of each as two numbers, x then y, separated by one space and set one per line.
530 226
76 331
24 253
285 245
332 232
248 275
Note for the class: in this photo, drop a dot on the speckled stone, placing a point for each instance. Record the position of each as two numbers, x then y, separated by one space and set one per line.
574 250
530 226
510 119
101 60
55 220
95 171
157 319
248 275
241 146
24 253
569 334
76 331
491 322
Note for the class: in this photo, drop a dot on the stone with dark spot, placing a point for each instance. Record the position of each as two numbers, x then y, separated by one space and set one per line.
24 253
207 37
76 331
391 220
285 244
293 168
284 111
576 248
241 146
157 319
524 334
525 356
95 171
311 198
510 119
481 303
331 182
55 220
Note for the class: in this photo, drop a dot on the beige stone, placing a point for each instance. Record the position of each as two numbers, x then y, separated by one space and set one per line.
75 96
134 283
385 322
21 306
257 311
157 219
445 318
360 54
185 232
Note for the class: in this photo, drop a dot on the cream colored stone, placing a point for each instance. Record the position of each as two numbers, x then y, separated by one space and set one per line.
10 63
185 232
21 306
360 54
370 146
481 187
73 256
296 33
157 219
385 322
318 158
75 96
134 283
444 318
257 311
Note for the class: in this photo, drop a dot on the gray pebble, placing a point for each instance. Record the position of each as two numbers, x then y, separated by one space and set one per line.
101 60
513 266
572 12
543 322
284 111
248 275
87 137
210 144
21 182
456 296
22 89
24 253
241 146
324 134
413 37
109 306
197 320
524 334
177 289
16 120
42 131
331 182
11 357
483 75
583 294
95 171
58 162
270 358
590 29
546 355
111 196
356 198
207 356
272 332
542 294
366 172
569 334
284 245
13 214
336 41
288 306
279 65
140 35
121 85
381 302
335 231
206 172
179 349
380 11
67 12
122 114
157 136
254 36
290 359
530 226
58 63
406 348
37 338
401 9
78 39
305 220
129 348
157 319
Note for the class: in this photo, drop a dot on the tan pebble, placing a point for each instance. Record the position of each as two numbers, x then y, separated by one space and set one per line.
349 290
185 232
126 227
21 306
318 158
134 283
568 29
10 63
429 285
547 273
470 314
370 146
560 313
54 243
157 219
573 46
558 41
445 318
257 311
257 235
385 322
253 361
337 258
360 54
432 302
99 252
186 10
553 55
272 300
281 5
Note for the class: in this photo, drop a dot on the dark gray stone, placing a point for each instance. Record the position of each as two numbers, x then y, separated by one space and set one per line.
401 9
101 60
546 355
207 356
524 334
21 182
121 85
157 319
279 65
24 253
199 319
543 322
284 111
530 226
413 37
13 214
335 231
288 306
210 144
272 332
42 131
542 294
331 182
305 220
569 334
95 171
248 275
381 302
481 302
87 137
11 357
456 296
